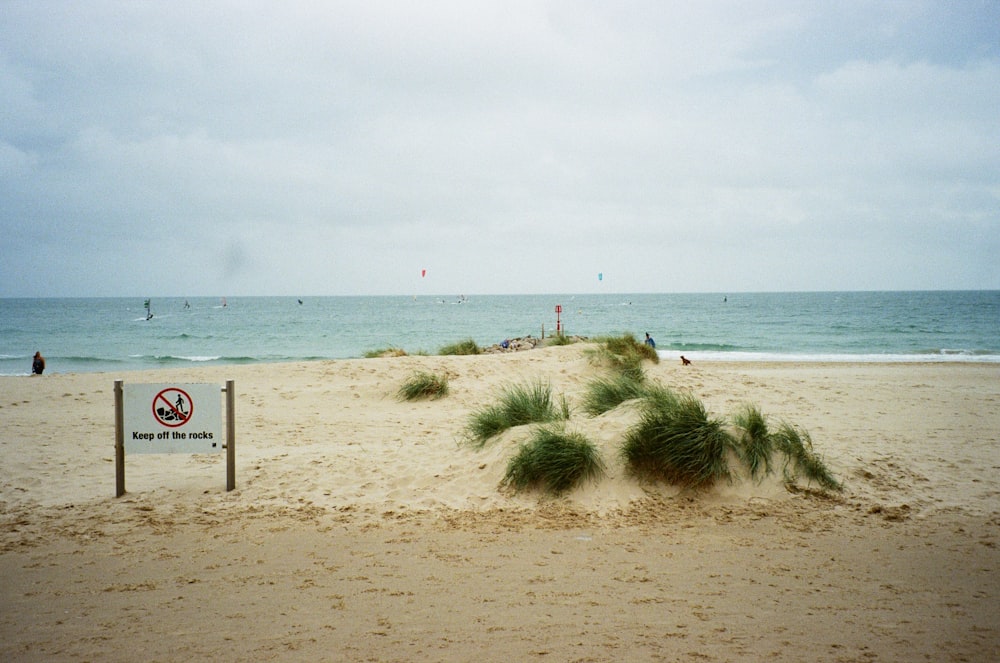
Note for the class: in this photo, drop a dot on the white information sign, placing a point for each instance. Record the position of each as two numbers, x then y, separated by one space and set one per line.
172 418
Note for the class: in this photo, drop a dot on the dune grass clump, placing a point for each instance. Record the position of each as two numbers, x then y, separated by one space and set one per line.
385 352
798 449
627 344
754 441
623 354
677 442
605 394
757 444
423 385
518 405
657 396
560 339
466 347
554 461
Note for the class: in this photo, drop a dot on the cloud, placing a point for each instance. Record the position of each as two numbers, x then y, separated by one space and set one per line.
218 148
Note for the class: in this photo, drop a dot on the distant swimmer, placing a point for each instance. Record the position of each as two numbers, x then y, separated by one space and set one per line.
685 361
300 302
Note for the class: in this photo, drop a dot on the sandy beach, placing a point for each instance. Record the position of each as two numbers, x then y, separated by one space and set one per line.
362 529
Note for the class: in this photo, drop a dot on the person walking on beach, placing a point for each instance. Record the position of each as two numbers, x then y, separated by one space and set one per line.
649 341
37 364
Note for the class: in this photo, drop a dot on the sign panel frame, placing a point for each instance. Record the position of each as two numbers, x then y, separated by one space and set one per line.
173 418
161 418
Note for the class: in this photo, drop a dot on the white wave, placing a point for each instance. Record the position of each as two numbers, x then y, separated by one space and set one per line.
817 358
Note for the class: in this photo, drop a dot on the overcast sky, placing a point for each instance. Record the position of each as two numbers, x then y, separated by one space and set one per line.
339 148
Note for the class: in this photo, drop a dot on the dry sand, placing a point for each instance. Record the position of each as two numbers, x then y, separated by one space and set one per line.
360 528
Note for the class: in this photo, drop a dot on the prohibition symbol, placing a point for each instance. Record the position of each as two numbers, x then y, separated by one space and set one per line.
173 407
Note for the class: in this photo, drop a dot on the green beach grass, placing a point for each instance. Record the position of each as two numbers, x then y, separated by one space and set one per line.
622 354
423 384
676 441
554 461
605 394
517 405
466 347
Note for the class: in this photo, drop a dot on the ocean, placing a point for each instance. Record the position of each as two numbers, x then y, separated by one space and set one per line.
114 334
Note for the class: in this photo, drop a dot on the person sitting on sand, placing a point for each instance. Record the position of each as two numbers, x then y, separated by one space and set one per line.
649 341
37 364
685 361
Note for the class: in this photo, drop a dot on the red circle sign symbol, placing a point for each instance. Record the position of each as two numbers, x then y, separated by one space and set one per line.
173 407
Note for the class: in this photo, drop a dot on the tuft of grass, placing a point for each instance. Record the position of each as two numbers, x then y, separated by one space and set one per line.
629 365
755 443
554 461
560 339
517 405
466 347
605 394
676 441
627 344
423 385
797 447
623 354
385 352
659 397
486 423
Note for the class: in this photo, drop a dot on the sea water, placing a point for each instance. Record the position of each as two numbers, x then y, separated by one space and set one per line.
117 334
